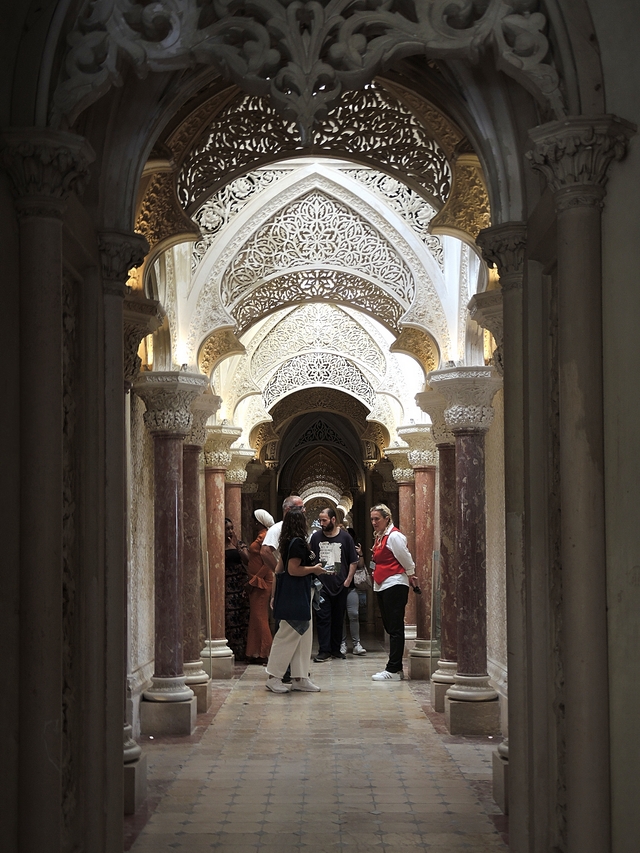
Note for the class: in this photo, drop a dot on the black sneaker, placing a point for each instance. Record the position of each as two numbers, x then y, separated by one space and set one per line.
321 657
339 656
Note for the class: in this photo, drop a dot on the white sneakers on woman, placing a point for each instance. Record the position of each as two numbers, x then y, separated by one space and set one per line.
359 650
387 676
275 685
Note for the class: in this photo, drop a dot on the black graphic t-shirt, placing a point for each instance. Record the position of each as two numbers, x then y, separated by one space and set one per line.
339 550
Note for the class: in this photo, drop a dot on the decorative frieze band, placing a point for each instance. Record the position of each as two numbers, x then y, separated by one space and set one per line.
468 392
168 398
574 155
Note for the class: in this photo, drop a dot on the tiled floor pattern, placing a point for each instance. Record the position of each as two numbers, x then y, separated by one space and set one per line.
357 767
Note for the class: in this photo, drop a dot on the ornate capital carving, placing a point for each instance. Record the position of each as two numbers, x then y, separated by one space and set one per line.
237 470
422 448
434 405
503 246
468 392
216 448
574 155
45 166
119 253
141 317
402 470
168 398
202 408
486 309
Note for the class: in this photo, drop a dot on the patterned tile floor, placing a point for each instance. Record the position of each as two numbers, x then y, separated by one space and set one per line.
360 766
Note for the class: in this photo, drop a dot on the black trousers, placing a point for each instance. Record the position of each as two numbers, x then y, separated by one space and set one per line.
392 603
329 620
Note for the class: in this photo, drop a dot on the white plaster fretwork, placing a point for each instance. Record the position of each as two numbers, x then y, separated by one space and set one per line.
318 369
411 206
468 392
316 230
305 327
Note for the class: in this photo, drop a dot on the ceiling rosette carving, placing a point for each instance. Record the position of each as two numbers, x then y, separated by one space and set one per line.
304 56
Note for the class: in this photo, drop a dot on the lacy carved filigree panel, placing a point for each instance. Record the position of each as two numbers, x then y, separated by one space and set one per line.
320 433
325 284
320 399
312 326
226 203
371 123
411 206
318 369
261 435
316 230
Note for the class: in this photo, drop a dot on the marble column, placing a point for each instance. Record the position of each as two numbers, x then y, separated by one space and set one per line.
195 676
501 312
471 705
434 405
217 656
235 476
574 155
132 318
249 489
170 705
422 459
404 477
45 167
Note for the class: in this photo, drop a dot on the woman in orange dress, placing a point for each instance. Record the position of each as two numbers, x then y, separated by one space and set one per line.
259 638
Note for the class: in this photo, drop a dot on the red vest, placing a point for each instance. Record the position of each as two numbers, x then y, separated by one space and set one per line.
386 563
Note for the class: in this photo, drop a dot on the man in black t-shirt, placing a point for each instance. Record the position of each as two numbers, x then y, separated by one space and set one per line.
333 546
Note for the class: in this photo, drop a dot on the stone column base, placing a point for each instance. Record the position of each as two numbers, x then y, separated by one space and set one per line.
420 660
217 659
438 691
135 784
441 680
501 781
410 632
472 718
168 718
203 696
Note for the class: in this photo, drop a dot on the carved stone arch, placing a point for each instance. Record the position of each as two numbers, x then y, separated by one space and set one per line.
313 429
320 400
419 345
467 210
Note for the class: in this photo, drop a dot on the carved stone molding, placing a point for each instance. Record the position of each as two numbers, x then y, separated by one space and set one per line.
45 167
141 317
237 470
402 469
468 392
168 397
303 61
221 344
434 405
467 210
422 447
418 344
202 408
486 309
574 155
503 246
262 435
161 216
216 449
119 252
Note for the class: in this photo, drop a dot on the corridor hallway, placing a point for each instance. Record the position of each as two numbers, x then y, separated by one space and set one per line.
357 767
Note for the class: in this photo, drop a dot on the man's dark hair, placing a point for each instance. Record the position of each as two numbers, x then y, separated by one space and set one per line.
330 512
294 524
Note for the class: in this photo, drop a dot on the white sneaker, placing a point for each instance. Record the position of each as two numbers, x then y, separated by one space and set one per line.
387 676
359 650
304 684
343 648
275 685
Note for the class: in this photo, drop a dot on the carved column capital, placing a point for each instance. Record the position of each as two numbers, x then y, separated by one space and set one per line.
120 252
402 470
574 156
45 166
422 451
168 397
486 309
141 317
216 449
503 246
434 405
202 408
237 470
468 392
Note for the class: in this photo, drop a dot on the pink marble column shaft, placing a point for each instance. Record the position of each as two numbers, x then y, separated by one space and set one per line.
192 553
168 543
214 488
447 505
407 524
425 487
233 505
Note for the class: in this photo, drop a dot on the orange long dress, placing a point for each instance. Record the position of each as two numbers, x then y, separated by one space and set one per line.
259 638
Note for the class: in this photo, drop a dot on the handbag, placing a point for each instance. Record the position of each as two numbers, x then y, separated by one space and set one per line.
362 579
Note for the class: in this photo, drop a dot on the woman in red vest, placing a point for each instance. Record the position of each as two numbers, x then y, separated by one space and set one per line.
393 574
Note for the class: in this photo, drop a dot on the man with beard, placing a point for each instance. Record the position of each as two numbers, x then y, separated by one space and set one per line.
333 546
